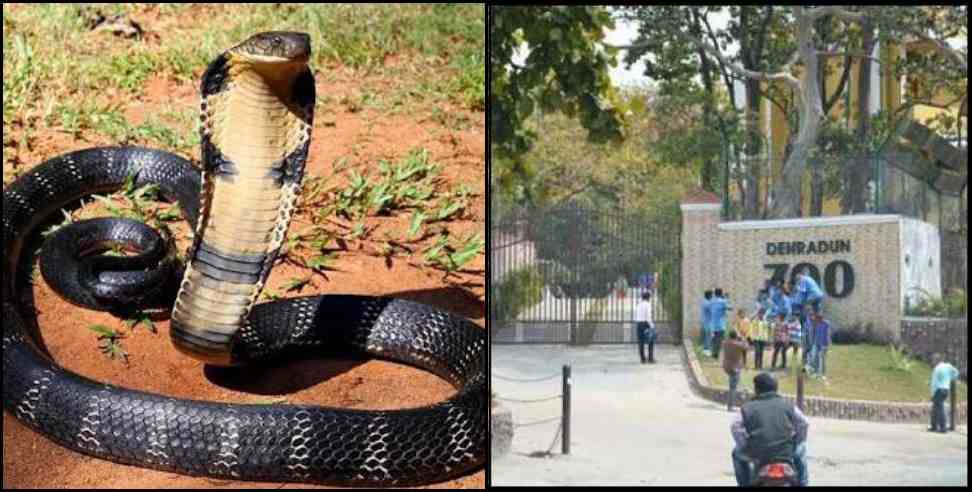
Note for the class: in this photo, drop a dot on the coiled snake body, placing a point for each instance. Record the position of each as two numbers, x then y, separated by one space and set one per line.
257 106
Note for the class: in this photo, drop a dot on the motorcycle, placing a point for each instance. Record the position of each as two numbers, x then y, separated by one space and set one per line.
776 474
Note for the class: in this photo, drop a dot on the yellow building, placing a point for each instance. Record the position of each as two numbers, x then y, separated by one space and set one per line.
886 93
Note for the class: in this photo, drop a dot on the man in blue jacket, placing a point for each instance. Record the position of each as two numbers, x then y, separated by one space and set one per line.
718 314
781 304
809 293
706 323
820 341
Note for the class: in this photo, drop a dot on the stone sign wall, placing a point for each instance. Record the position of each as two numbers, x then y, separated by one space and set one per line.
862 262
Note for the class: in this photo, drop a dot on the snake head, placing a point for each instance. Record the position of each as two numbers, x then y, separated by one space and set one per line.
274 47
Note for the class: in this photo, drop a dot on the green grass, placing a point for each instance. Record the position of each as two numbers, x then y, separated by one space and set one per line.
60 77
454 256
857 372
57 72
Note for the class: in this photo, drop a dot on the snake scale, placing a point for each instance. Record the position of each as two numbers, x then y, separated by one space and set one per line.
256 119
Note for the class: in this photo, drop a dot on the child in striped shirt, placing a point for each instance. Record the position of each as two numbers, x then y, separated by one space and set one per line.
781 337
796 336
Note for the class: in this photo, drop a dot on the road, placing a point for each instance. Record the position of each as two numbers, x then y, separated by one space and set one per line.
635 424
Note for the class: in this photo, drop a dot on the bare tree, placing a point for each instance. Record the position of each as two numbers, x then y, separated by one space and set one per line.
809 101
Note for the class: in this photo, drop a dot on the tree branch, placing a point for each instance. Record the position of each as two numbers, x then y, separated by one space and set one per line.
722 67
950 105
761 38
783 74
839 12
628 46
945 49
840 86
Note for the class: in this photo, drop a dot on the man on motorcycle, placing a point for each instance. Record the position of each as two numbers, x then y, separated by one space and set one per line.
769 429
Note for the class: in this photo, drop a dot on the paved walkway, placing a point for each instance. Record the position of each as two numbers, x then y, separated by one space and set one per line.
639 424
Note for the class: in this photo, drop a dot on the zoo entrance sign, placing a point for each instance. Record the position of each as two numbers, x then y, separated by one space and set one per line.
831 271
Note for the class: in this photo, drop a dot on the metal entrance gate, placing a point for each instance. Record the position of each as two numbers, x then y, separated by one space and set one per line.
574 275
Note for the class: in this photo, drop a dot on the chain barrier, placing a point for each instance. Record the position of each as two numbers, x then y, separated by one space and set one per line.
538 400
535 422
564 418
545 378
554 442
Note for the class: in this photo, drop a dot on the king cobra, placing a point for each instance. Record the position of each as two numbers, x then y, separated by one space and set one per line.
256 118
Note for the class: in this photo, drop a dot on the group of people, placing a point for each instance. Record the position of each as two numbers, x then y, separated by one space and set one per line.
784 318
715 311
768 428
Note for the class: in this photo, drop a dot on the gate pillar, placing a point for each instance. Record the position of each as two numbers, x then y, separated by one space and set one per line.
700 221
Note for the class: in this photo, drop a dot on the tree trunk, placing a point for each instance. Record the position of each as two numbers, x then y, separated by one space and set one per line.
859 168
753 149
787 195
816 190
816 167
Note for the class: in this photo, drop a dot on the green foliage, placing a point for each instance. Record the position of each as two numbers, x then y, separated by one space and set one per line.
898 360
565 70
110 342
515 292
141 318
296 284
953 305
408 183
454 257
587 326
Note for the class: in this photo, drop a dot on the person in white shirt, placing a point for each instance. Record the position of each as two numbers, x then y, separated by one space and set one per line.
645 327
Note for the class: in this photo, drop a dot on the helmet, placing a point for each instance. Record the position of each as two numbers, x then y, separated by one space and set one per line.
764 382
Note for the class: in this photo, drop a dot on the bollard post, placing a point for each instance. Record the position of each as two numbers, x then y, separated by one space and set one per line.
951 393
565 442
799 398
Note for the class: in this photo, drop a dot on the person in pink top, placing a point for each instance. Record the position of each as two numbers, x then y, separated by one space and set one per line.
781 337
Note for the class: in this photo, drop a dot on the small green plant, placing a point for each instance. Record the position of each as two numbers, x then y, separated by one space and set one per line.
141 318
314 188
899 360
110 342
453 257
448 208
358 231
408 183
270 295
296 284
131 202
172 213
418 217
320 262
52 229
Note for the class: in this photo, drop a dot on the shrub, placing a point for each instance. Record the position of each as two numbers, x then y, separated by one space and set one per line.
855 334
899 360
953 305
519 290
588 325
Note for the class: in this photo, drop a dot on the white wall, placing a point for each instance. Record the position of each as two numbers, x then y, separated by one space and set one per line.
921 255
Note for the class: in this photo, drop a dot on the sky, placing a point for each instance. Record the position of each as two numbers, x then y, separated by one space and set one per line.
626 32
